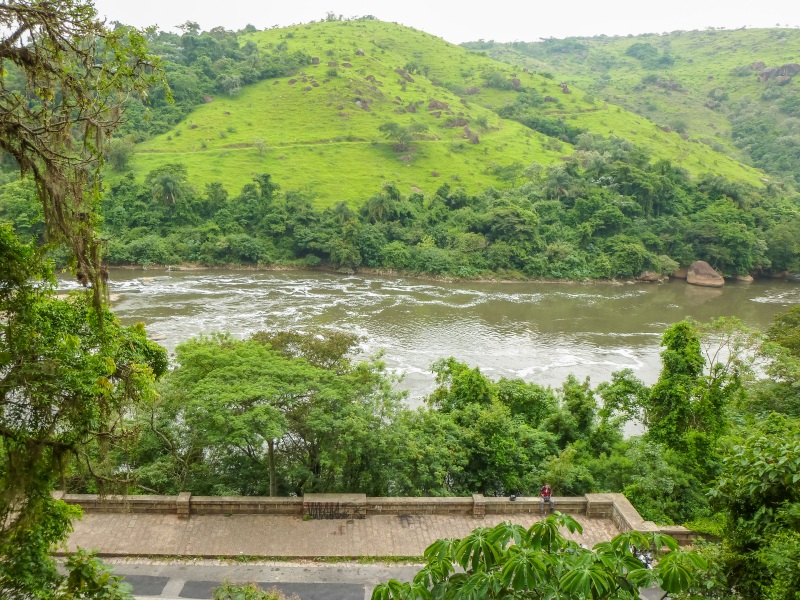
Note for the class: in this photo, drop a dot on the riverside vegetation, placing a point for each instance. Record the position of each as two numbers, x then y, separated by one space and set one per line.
88 405
609 213
291 413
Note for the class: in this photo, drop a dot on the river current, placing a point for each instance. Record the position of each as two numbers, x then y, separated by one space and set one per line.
537 331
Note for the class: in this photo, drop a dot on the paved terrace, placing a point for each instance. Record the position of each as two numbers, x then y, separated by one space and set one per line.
321 525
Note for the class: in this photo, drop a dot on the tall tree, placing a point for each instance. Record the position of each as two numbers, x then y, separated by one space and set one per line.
63 79
68 372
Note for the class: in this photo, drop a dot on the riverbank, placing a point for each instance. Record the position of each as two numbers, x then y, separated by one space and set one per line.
369 271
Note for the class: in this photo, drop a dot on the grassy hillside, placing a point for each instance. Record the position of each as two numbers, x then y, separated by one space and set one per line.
705 84
318 130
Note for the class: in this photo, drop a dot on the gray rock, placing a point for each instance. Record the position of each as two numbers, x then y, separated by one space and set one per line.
703 274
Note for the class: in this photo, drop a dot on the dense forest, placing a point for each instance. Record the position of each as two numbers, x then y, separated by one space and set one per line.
608 213
611 208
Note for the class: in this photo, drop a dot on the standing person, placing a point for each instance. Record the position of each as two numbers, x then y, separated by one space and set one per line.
546 495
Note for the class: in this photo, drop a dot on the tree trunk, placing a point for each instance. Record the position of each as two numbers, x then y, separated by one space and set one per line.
273 478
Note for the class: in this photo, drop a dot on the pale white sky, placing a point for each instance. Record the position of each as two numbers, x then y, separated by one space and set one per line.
467 20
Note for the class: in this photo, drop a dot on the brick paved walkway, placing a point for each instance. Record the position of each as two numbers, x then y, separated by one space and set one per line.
115 534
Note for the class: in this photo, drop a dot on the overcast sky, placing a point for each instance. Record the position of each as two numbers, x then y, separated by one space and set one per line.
466 20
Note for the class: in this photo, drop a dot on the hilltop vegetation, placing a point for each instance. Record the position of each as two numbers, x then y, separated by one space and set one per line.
734 91
310 105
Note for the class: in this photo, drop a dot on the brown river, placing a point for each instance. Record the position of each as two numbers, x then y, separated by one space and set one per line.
537 331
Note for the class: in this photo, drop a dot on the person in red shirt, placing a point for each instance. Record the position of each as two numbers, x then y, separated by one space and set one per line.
546 495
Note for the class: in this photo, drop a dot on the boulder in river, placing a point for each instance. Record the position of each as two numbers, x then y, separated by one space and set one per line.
703 274
680 273
744 278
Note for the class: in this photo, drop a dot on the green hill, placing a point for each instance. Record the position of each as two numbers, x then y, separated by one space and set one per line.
319 129
721 88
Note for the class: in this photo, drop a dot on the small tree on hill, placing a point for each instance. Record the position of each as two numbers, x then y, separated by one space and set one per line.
401 136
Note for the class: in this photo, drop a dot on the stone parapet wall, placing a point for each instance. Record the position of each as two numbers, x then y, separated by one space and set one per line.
453 506
162 505
335 506
615 507
532 505
244 505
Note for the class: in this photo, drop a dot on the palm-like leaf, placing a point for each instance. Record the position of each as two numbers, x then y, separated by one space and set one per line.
588 582
504 532
677 571
524 569
478 549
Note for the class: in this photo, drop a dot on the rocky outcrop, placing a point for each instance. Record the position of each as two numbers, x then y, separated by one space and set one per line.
703 274
404 75
787 70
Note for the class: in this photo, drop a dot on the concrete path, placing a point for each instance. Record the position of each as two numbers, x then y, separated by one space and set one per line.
308 580
121 534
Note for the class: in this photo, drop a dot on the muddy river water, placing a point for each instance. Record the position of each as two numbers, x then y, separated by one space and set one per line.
537 331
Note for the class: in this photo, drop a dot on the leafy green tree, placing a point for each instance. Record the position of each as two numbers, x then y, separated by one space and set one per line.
759 495
458 385
780 391
66 384
531 401
785 330
668 411
284 408
168 182
118 153
541 563
503 452
401 136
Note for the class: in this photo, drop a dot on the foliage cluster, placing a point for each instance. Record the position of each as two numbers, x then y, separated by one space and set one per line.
291 413
711 81
199 65
69 373
508 561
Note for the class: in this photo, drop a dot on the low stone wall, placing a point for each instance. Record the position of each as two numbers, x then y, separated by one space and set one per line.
161 505
358 506
420 506
531 505
244 505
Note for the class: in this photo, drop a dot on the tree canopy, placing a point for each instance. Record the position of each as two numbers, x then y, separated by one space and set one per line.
63 79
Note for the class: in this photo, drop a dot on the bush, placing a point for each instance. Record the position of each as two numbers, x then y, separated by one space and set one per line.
248 591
